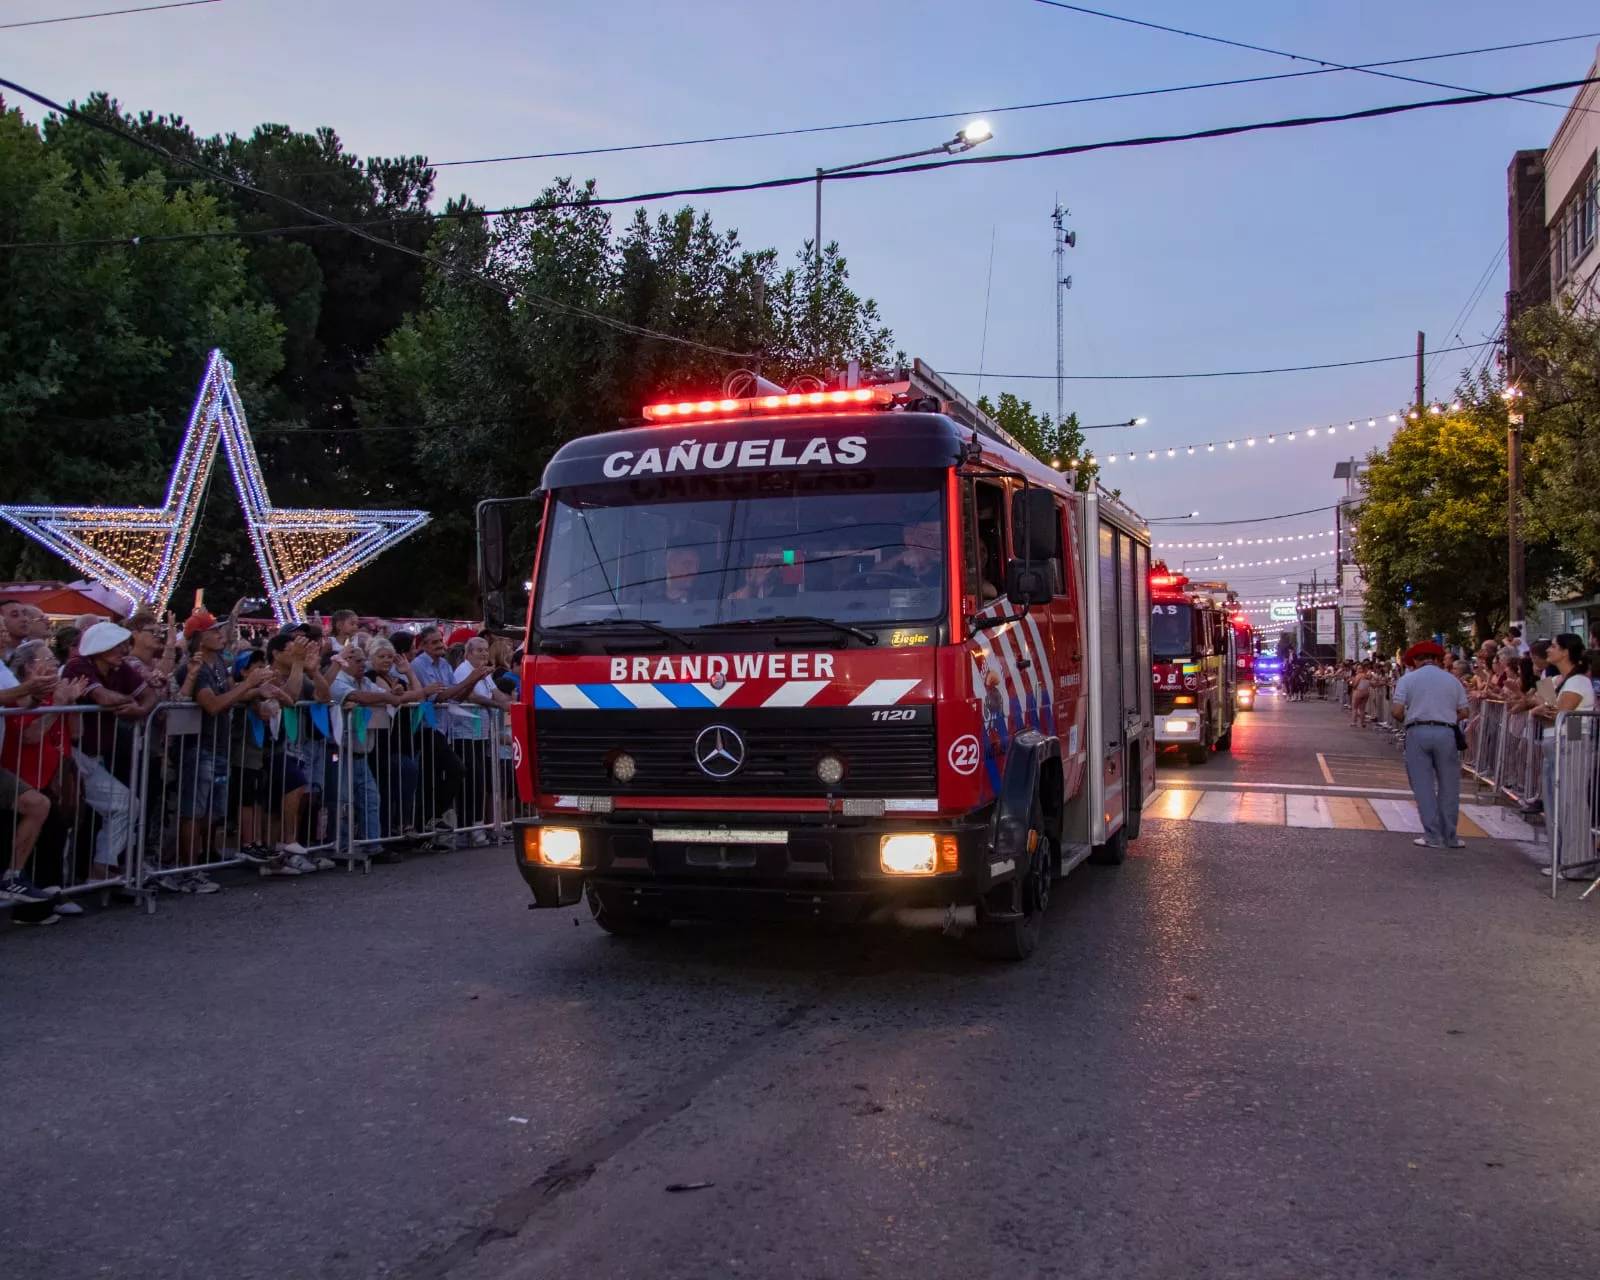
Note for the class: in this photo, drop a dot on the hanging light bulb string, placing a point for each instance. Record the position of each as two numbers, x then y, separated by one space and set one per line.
1250 442
1248 542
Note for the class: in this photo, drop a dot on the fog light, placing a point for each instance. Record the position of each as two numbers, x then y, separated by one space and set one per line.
559 846
908 855
623 768
830 770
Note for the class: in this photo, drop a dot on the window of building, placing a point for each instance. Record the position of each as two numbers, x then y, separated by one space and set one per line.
1572 234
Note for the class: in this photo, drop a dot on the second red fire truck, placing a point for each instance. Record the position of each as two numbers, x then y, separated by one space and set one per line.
841 654
1195 640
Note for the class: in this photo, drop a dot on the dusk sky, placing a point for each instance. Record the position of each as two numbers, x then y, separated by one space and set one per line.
1299 247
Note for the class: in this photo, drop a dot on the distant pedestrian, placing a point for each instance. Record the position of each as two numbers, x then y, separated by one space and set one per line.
1433 703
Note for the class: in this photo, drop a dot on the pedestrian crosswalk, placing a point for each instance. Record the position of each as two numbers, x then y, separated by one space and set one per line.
1341 813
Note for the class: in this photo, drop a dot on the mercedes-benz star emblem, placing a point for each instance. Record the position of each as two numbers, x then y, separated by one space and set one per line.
719 751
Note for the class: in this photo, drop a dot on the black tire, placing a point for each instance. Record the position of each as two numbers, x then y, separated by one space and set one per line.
621 922
1017 939
1225 742
1114 851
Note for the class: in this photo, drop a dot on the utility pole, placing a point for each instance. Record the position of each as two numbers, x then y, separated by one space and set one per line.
1421 384
1064 240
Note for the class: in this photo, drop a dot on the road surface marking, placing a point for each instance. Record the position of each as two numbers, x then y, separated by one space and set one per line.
1307 811
1327 773
1337 813
1218 806
1168 803
1398 815
1207 784
1262 808
1351 813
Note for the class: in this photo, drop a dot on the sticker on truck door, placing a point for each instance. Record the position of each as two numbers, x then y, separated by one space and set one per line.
964 754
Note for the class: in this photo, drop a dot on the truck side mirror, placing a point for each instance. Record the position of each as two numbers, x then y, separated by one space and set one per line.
1035 524
1028 582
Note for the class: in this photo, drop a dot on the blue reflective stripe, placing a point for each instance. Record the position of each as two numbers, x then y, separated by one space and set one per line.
543 701
684 695
606 696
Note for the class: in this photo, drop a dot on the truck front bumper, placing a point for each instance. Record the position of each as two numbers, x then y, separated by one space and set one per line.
1179 726
817 871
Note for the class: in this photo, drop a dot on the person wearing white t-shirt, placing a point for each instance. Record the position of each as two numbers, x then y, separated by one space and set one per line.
1574 692
474 732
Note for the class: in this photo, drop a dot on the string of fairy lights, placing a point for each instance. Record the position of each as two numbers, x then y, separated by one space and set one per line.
1265 440
140 551
1245 542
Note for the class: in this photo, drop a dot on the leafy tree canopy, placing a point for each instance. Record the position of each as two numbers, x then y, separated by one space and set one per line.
1058 443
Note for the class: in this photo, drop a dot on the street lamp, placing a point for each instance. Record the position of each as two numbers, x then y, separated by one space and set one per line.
973 135
1111 426
1169 519
1514 552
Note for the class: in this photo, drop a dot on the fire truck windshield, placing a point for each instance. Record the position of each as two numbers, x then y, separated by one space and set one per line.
685 552
1171 631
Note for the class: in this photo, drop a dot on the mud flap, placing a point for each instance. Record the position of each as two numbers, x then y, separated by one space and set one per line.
1008 851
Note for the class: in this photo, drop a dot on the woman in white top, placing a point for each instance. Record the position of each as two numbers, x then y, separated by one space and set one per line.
1574 692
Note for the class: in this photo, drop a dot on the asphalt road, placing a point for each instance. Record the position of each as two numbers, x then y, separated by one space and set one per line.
1249 1052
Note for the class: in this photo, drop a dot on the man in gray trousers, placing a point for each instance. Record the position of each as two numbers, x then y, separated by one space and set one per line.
1432 702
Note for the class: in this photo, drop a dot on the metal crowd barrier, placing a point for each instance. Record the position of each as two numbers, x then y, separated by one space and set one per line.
166 799
422 772
1572 763
234 790
77 838
1503 753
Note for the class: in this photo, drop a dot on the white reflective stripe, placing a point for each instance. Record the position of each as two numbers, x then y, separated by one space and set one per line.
883 693
719 696
566 802
795 693
568 696
930 805
644 696
1041 657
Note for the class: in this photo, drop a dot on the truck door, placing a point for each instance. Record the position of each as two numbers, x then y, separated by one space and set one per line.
1113 714
1065 651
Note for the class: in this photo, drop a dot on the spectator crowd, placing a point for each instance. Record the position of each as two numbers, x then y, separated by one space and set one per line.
145 755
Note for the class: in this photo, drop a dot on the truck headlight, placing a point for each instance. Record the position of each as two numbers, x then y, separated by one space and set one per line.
919 854
552 846
830 770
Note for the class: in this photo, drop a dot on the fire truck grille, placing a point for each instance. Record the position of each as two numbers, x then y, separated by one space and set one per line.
886 760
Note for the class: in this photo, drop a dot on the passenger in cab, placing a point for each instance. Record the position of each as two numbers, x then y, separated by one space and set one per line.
764 578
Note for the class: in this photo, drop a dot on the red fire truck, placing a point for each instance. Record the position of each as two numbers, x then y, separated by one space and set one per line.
1244 662
839 654
1195 647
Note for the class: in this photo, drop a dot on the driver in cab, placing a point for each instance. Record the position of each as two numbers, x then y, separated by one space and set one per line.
919 562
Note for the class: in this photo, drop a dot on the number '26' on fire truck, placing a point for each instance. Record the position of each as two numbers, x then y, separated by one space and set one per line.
842 654
1203 674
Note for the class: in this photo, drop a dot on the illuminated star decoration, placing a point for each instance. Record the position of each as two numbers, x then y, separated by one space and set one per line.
136 551
302 553
140 551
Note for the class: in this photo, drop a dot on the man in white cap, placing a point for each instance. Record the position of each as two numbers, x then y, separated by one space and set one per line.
121 691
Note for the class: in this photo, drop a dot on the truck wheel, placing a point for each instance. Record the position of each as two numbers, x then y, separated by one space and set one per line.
1225 742
621 922
1018 937
1115 850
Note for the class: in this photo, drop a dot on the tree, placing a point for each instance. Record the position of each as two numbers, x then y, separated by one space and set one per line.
1431 530
1060 444
1560 347
102 348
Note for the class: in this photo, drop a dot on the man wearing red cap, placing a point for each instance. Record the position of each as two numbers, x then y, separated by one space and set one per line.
1433 703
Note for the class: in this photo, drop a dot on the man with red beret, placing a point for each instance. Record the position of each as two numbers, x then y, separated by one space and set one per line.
1433 703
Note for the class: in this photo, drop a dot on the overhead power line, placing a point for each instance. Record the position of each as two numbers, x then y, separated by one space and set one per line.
107 13
1210 373
1287 515
1276 53
1015 107
775 184
540 300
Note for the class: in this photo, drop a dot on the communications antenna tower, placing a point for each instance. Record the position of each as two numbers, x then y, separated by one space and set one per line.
1064 240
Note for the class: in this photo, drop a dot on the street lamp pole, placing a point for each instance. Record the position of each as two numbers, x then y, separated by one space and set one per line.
1514 551
974 135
